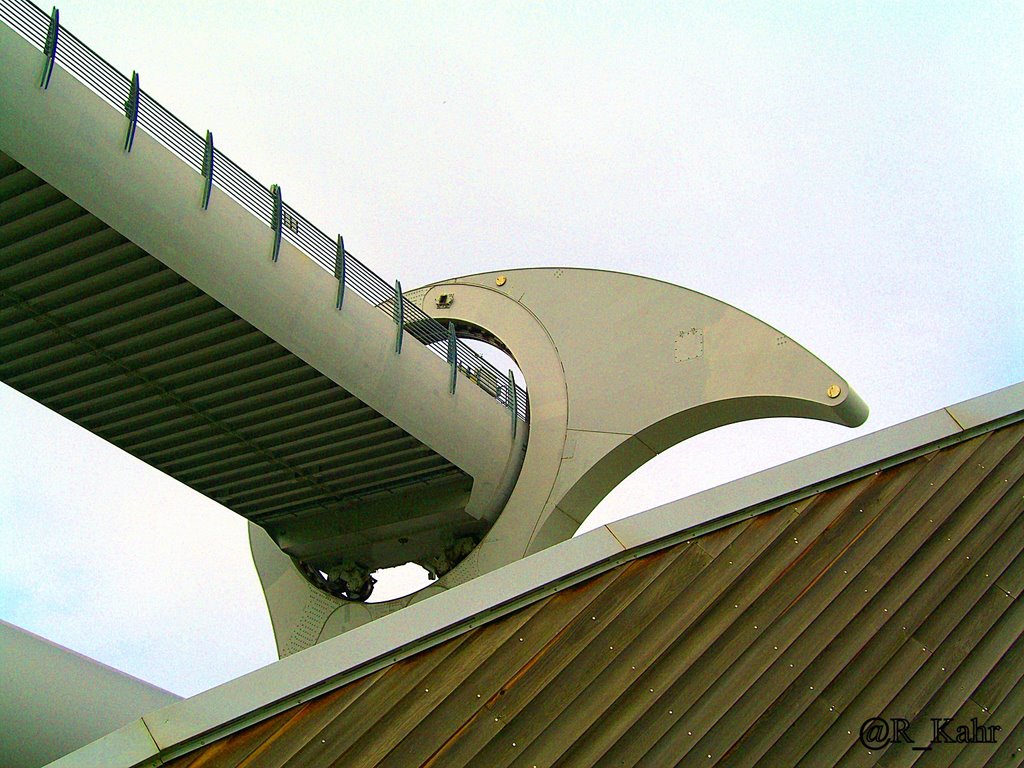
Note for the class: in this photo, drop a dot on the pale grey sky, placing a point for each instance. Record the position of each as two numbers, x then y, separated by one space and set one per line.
849 173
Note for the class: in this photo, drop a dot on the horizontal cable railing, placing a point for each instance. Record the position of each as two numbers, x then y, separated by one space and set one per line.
93 70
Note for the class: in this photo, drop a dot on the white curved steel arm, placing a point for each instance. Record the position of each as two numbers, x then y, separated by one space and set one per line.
618 368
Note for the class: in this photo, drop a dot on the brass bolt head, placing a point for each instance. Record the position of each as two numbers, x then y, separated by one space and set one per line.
500 280
834 391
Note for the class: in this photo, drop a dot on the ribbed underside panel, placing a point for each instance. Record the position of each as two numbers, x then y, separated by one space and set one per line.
769 642
103 333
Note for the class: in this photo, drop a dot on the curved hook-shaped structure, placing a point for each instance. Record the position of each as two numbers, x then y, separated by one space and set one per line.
618 368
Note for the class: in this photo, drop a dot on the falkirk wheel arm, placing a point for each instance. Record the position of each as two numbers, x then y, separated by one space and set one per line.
619 368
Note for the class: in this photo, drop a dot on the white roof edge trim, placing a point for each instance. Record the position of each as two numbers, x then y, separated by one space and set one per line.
131 744
823 469
186 725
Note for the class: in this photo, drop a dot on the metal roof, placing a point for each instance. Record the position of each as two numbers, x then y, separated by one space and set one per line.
885 583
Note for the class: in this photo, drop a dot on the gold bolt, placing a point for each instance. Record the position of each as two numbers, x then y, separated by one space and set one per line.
500 280
834 391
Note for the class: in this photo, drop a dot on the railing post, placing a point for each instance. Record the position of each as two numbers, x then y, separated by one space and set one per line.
277 219
50 49
453 359
131 111
514 401
399 317
339 270
107 82
207 170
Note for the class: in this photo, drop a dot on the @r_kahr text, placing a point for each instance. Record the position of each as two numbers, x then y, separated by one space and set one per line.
880 732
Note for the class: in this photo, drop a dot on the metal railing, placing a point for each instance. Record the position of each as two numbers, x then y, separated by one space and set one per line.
100 76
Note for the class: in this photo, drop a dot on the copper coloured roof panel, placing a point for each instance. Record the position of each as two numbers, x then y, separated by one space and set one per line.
770 641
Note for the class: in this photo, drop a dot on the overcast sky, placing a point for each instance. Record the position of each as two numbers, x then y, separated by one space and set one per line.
851 173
